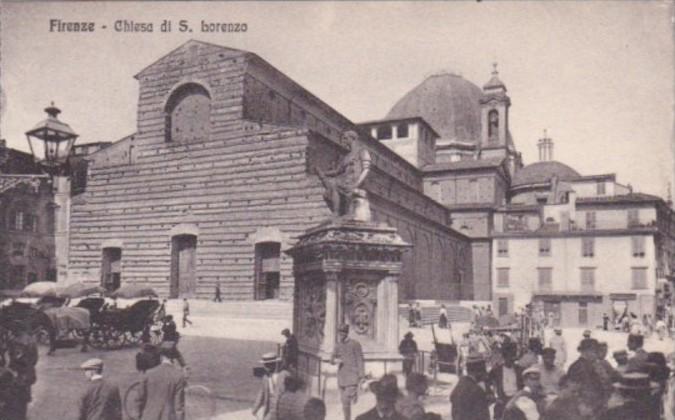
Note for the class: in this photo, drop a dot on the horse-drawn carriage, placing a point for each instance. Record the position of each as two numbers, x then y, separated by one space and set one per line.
114 328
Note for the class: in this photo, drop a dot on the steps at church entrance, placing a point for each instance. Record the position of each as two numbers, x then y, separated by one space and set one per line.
261 309
431 312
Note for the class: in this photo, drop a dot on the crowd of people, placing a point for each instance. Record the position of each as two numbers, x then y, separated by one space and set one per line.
534 384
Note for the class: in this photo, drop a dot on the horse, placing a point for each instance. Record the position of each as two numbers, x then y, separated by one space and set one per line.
18 317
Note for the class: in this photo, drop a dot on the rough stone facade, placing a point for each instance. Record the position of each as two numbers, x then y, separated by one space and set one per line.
221 169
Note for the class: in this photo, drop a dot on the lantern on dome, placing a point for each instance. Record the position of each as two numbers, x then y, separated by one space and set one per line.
51 141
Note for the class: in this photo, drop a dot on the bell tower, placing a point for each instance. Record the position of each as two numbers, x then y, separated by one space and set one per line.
494 113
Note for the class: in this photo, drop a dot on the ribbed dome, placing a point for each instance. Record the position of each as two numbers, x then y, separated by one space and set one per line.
541 172
446 101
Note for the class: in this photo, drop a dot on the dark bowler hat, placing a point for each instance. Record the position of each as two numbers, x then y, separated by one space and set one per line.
620 353
386 388
285 331
588 344
636 381
408 335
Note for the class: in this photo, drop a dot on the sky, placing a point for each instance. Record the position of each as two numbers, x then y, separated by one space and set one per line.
597 75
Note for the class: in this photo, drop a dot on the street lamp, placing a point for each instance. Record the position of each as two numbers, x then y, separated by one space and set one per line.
51 141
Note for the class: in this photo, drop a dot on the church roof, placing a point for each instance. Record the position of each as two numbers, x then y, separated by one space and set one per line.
464 165
448 102
542 172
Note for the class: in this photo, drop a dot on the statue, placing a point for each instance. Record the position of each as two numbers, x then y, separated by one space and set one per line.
343 194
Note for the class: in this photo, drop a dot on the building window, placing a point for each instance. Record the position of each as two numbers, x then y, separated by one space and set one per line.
638 246
502 248
32 278
639 277
18 249
590 220
588 247
188 114
587 279
503 306
633 217
601 188
544 247
18 220
384 132
502 277
474 191
493 126
545 279
402 130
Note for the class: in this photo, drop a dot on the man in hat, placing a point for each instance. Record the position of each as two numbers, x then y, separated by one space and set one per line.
411 406
386 393
469 400
531 356
349 356
527 403
557 343
583 371
506 378
408 349
549 373
273 385
161 394
101 400
632 400
23 356
587 333
637 363
607 373
289 351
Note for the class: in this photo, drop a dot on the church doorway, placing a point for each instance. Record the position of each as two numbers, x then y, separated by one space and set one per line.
267 277
183 265
111 268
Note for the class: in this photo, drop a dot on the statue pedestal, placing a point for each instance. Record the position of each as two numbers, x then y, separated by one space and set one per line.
346 271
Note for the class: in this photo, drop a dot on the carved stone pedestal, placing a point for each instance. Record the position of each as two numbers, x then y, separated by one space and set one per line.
346 271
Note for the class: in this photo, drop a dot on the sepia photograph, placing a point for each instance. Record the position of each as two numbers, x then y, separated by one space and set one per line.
318 210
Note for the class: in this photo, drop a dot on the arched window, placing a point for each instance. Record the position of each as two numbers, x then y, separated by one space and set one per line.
188 113
493 125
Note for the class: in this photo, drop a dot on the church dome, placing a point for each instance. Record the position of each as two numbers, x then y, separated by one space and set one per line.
448 102
542 172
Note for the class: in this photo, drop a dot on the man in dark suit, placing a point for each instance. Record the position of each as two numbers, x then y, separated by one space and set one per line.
386 393
162 392
289 351
349 356
101 400
583 371
470 401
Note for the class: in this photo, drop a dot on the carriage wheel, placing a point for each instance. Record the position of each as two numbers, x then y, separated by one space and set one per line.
114 338
41 335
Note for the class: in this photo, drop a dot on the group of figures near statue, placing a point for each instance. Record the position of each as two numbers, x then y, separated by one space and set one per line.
535 386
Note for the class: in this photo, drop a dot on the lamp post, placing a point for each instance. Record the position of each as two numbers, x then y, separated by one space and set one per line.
51 142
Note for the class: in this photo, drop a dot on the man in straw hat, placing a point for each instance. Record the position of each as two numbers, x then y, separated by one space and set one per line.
470 401
272 387
162 392
632 399
527 403
349 356
386 394
101 400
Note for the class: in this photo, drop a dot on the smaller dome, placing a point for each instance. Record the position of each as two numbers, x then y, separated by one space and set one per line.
541 172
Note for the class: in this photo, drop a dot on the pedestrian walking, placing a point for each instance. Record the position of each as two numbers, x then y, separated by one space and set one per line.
411 316
386 394
101 400
170 338
557 343
186 313
505 379
273 383
632 401
349 357
161 393
549 374
408 349
217 297
583 371
605 321
289 351
621 359
660 328
470 401
291 403
23 356
443 317
418 315
637 363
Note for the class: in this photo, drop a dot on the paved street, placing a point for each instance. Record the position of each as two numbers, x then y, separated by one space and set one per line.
221 352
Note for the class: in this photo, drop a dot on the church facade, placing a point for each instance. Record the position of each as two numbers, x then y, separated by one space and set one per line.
220 179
